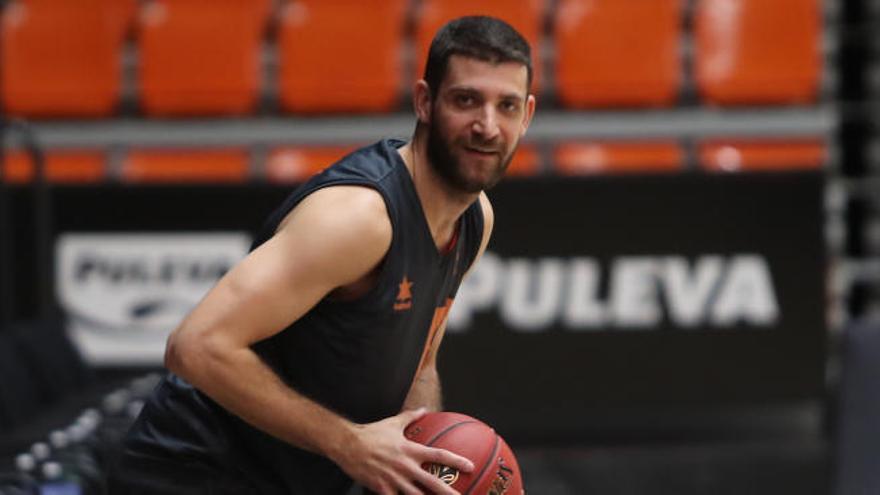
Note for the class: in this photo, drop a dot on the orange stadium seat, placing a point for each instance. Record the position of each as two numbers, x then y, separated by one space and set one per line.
186 166
526 16
60 58
736 156
61 167
200 57
262 12
757 51
123 15
526 162
298 164
340 56
618 157
618 53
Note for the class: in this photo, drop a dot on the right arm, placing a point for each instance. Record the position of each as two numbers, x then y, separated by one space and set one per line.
333 238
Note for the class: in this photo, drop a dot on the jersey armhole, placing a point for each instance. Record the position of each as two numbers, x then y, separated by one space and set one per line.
480 221
383 275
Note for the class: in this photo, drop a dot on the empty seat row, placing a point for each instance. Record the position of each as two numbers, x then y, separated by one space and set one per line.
204 57
295 164
587 158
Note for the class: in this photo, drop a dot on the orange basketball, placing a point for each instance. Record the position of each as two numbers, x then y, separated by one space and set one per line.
496 471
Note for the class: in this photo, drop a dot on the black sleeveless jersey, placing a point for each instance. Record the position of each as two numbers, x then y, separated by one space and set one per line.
358 358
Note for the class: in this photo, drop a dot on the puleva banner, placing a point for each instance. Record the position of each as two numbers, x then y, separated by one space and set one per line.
123 293
597 297
602 297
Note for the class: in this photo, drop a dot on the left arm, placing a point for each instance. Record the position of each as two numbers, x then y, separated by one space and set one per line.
426 390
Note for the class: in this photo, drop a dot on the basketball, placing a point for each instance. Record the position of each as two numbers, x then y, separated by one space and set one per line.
496 471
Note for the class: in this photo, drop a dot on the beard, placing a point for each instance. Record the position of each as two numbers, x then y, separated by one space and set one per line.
449 166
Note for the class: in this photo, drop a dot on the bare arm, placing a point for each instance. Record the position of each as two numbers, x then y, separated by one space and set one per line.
333 238
426 390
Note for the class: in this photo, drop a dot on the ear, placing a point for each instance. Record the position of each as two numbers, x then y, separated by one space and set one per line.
422 101
529 113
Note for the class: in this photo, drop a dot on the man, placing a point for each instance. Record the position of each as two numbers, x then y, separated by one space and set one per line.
300 370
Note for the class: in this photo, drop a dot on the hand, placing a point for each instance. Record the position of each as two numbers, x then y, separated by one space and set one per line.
382 459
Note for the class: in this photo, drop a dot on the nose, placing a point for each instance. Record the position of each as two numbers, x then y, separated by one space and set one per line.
485 126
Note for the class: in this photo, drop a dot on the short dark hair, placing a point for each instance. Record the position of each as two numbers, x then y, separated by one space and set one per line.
480 37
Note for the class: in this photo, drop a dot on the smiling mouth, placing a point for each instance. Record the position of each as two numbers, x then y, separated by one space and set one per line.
481 151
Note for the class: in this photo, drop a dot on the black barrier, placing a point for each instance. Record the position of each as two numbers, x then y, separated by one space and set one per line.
613 302
857 449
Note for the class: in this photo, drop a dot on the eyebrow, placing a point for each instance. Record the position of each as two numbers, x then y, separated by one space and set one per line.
471 89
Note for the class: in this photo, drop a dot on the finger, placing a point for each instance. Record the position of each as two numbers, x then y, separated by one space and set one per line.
411 415
404 485
392 489
446 458
382 488
430 483
433 484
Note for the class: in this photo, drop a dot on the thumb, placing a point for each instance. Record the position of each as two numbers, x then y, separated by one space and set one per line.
407 417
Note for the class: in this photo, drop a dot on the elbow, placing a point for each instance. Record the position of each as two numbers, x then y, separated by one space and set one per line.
176 349
187 353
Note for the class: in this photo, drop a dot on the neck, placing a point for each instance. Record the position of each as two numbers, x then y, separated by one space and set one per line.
442 204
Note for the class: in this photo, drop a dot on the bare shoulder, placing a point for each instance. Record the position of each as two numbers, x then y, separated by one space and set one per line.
345 226
342 210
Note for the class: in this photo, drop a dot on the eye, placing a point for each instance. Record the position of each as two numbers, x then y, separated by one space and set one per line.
509 106
465 100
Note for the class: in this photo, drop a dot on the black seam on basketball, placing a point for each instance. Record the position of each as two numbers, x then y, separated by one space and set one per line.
486 465
445 431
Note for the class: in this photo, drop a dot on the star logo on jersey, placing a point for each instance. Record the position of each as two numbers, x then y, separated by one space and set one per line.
404 295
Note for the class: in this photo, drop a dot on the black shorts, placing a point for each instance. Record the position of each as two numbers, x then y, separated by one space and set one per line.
140 475
183 443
